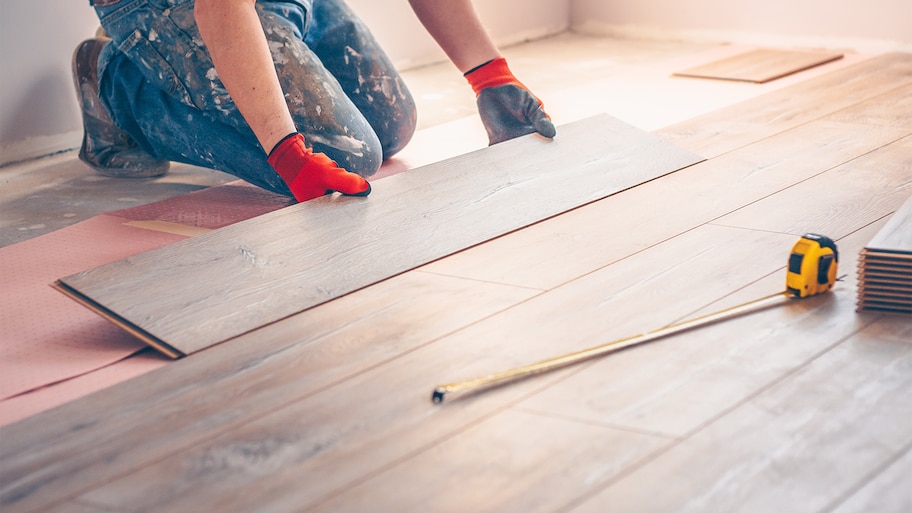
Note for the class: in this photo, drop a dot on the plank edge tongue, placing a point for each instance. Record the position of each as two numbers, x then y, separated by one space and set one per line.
208 289
126 325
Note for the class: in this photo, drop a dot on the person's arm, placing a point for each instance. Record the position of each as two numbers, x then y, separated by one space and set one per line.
234 37
507 108
237 44
455 26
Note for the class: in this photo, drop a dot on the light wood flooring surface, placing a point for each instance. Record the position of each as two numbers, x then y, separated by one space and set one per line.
803 407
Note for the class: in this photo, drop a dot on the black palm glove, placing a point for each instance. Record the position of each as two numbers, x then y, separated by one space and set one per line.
507 108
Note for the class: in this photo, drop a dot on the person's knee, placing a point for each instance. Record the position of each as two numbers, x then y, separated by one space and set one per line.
362 155
396 128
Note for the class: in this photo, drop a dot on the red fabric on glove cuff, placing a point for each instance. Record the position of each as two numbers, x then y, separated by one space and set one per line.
311 175
492 74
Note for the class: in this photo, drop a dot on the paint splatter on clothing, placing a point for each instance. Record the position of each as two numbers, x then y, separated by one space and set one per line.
159 84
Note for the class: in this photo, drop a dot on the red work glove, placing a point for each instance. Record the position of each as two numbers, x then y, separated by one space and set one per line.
507 108
310 175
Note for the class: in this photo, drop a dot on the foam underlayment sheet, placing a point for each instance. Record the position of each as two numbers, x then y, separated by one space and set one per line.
47 339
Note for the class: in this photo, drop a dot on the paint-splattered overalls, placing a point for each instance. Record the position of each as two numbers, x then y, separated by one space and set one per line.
158 82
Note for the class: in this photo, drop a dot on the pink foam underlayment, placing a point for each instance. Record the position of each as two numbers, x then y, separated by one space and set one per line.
52 349
44 398
46 337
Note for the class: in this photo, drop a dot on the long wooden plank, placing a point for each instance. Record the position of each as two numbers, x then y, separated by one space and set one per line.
888 490
802 445
521 462
896 236
732 127
760 65
556 251
216 286
889 109
871 185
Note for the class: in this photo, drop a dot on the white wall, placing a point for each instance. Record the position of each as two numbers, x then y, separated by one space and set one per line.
38 110
862 25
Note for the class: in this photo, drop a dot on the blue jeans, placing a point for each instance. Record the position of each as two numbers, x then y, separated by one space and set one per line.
158 83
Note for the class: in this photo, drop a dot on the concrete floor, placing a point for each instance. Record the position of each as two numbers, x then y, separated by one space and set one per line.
47 194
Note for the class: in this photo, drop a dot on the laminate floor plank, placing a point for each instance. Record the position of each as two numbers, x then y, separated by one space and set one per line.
885 266
389 415
555 457
702 376
838 201
120 429
558 250
895 240
732 127
760 65
201 291
887 492
889 109
799 446
709 370
78 507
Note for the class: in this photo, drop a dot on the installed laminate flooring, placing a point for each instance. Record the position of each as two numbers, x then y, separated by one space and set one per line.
802 407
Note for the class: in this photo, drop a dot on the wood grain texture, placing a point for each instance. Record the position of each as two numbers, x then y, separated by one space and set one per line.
219 285
733 127
888 109
760 65
896 236
744 353
556 457
887 491
563 248
788 448
391 414
838 200
79 507
232 383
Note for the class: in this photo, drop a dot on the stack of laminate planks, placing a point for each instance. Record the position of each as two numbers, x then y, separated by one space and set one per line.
885 266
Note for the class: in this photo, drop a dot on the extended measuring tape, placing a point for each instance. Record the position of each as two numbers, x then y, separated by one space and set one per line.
812 269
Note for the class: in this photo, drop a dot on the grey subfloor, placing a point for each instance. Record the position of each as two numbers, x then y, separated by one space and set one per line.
50 193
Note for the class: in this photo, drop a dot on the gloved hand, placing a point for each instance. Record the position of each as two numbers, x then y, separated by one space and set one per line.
507 108
311 175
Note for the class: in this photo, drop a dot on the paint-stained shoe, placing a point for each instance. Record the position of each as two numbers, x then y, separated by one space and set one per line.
105 147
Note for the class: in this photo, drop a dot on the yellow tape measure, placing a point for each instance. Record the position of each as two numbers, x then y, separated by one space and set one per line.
812 266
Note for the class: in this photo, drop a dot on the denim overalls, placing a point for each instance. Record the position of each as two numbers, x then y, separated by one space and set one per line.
158 83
